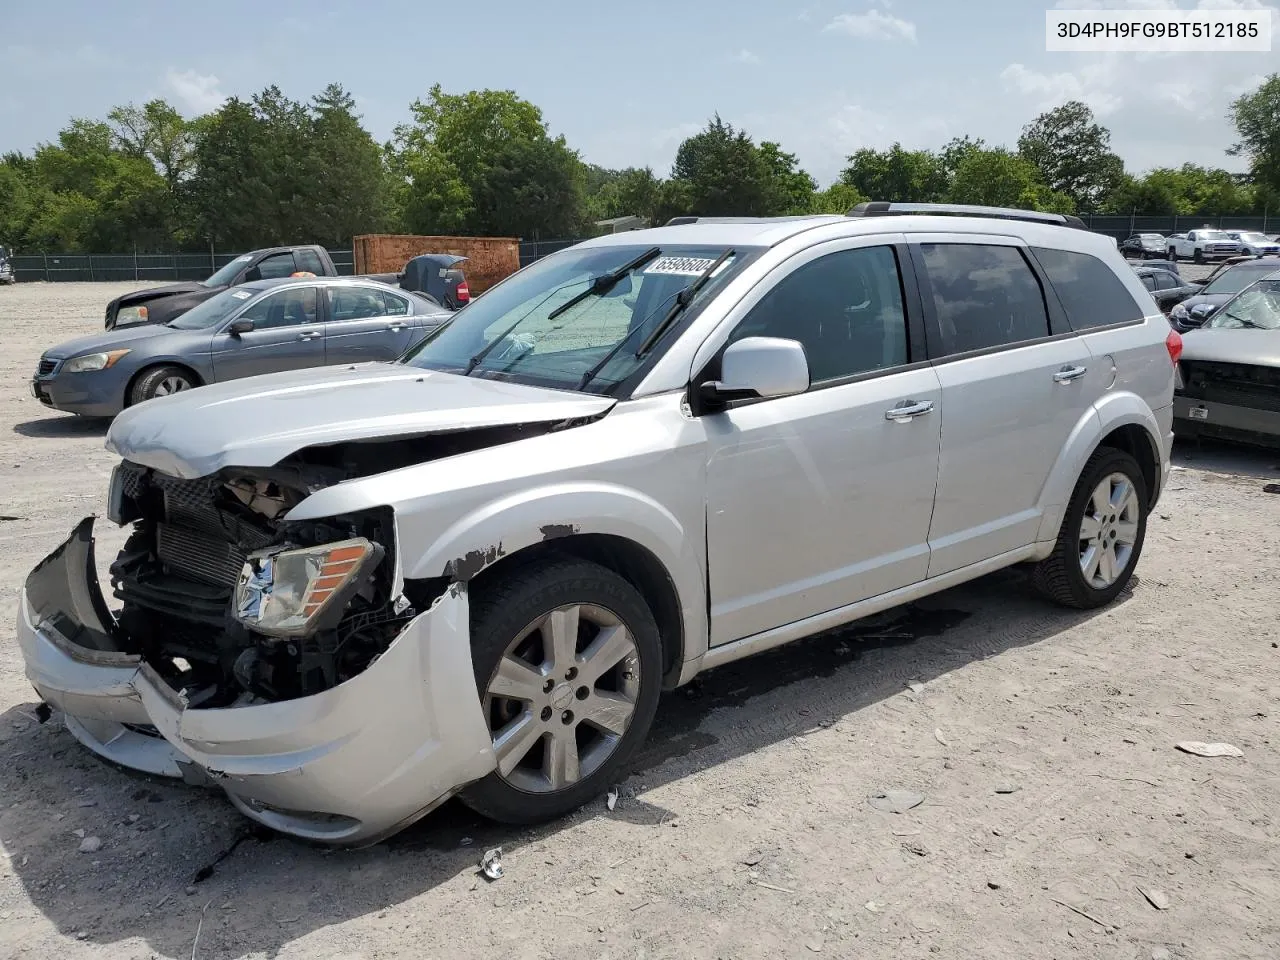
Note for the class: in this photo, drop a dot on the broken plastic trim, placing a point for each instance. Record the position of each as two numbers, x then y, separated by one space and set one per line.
63 589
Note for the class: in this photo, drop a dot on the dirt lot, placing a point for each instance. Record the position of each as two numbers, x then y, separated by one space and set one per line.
1042 742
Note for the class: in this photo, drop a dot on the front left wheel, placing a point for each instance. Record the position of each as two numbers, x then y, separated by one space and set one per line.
568 665
160 382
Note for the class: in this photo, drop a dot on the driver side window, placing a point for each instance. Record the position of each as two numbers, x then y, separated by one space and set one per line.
288 308
845 309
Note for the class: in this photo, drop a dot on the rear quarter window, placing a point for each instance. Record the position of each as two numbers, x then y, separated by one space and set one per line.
1090 292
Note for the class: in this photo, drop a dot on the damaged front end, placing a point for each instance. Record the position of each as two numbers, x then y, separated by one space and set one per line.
284 662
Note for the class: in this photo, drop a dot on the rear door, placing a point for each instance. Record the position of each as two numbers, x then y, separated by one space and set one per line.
287 334
1014 387
366 324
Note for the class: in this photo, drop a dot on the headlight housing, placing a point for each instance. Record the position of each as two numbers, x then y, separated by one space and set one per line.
131 315
93 361
294 591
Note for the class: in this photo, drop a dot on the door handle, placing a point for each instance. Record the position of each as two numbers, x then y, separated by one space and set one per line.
395 327
1067 374
309 335
908 409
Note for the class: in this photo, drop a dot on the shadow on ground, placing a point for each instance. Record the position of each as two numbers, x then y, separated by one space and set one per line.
169 850
63 427
1216 457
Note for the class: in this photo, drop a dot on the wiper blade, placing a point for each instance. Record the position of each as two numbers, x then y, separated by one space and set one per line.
683 299
605 282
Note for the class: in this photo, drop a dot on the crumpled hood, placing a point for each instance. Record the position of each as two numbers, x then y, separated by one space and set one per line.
108 340
155 293
1255 347
258 421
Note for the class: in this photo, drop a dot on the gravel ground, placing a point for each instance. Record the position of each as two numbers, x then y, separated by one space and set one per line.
1042 742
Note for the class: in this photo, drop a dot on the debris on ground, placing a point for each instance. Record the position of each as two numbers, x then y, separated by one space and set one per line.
611 799
1157 898
1271 488
937 735
1007 789
896 801
1209 749
919 849
753 858
915 687
90 845
491 863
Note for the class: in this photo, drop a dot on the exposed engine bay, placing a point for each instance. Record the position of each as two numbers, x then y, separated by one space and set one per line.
195 541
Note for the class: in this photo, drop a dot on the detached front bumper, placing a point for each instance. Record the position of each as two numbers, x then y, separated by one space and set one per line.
348 766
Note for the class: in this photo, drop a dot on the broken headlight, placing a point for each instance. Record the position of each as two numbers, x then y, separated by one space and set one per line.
292 592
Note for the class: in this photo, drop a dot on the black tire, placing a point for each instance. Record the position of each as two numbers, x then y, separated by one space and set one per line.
500 613
149 382
1198 256
1059 577
1173 255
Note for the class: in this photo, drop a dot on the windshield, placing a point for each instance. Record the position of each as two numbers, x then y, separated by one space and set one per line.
1211 235
1236 278
525 330
213 311
1252 238
224 276
1258 308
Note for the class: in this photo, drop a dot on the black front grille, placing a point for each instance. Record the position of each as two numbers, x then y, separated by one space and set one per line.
185 600
1235 384
46 367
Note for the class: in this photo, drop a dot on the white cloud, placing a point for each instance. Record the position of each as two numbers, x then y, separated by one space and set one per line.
197 92
1051 89
746 57
873 25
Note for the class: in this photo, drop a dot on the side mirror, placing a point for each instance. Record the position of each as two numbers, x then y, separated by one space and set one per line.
240 326
764 367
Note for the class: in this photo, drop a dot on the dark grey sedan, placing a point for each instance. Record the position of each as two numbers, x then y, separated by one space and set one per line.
255 328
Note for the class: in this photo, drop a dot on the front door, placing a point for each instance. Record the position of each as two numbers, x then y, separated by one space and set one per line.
1012 393
819 500
366 324
287 334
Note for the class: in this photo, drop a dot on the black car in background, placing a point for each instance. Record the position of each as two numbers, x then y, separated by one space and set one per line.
1223 284
1166 287
1143 246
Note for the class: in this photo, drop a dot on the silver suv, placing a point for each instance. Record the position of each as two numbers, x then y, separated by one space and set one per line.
352 592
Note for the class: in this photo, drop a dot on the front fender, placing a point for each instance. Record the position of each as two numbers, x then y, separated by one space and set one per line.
1110 413
522 519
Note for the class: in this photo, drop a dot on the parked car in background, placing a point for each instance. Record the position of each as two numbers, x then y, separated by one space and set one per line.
1169 266
349 595
1230 370
1165 287
7 274
164 303
1144 246
1201 245
1221 286
254 328
1255 244
438 277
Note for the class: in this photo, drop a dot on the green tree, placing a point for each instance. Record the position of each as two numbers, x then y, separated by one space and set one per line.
914 176
788 189
838 198
1184 191
1256 117
724 172
487 144
347 175
632 192
1073 154
1000 178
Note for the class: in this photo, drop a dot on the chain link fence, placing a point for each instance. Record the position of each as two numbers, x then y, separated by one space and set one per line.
145 267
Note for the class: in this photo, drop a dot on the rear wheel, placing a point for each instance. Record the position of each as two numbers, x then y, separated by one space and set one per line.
1101 536
568 665
1198 256
160 382
1173 254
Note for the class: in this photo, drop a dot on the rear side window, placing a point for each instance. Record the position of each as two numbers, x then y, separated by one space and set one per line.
396 307
310 260
985 296
1091 293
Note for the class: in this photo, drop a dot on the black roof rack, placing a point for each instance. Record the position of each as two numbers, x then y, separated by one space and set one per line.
676 221
883 208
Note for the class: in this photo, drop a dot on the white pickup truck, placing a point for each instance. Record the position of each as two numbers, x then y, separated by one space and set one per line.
1201 245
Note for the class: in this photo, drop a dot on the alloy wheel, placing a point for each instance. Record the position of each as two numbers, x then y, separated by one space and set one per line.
171 385
561 697
1109 531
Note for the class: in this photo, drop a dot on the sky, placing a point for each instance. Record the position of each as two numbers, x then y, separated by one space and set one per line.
626 82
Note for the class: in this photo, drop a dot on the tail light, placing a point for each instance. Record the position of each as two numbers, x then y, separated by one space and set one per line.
463 292
1173 343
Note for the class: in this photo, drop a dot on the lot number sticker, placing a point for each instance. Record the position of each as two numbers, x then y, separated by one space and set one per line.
684 266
